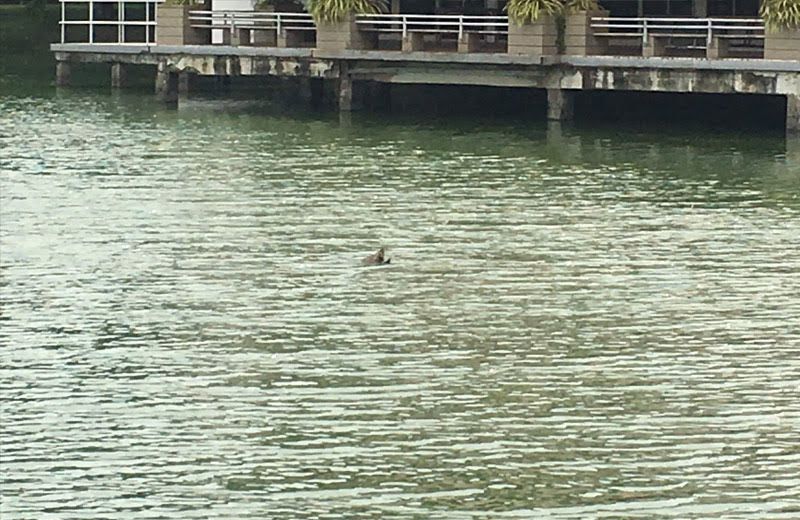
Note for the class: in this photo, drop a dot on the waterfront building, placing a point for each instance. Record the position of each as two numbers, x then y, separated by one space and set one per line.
680 46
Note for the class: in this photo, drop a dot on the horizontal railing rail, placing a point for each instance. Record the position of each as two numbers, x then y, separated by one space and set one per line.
96 18
135 21
706 28
441 24
253 20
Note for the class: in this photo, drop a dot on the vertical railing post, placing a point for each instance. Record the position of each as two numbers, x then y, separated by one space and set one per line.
120 22
278 24
91 20
460 27
708 36
147 21
644 31
405 28
63 20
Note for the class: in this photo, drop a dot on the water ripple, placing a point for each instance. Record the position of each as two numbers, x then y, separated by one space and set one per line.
573 325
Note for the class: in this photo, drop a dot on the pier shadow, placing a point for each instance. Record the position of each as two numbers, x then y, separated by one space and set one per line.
724 112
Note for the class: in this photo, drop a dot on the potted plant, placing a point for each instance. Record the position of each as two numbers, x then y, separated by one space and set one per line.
533 28
332 11
336 23
579 39
782 29
552 26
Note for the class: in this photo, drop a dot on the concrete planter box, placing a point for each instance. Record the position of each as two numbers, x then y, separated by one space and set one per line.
782 45
174 27
344 35
533 38
579 39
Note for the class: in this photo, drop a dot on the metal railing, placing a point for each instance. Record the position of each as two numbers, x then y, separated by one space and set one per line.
437 24
700 28
252 20
112 20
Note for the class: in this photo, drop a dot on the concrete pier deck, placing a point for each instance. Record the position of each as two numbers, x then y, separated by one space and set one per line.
559 72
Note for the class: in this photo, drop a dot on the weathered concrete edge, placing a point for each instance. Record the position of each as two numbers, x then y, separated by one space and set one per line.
440 57
682 63
437 57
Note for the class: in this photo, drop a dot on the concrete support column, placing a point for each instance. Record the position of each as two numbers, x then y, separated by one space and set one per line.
555 134
183 82
793 113
161 79
560 104
118 75
352 93
345 93
171 93
62 73
167 82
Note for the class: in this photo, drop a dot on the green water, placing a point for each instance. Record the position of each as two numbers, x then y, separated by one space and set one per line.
578 322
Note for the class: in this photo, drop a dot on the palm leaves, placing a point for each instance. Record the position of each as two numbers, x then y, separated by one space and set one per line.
522 11
575 6
780 14
337 10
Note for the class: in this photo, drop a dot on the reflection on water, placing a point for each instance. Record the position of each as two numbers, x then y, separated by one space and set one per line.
577 322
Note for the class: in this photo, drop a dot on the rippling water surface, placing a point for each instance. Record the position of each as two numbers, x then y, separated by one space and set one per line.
576 323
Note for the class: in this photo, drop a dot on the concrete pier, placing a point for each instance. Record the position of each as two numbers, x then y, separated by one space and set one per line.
562 76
